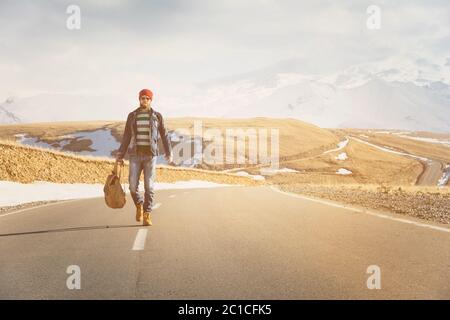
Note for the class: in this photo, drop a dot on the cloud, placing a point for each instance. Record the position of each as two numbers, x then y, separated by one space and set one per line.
127 44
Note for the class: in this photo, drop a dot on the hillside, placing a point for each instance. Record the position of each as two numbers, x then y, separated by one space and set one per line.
296 137
308 154
27 164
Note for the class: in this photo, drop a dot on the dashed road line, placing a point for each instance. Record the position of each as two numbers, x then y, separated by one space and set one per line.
156 205
139 242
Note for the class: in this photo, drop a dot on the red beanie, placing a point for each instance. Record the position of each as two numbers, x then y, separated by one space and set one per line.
146 92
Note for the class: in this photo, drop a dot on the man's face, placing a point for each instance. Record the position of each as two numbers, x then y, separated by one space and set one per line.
145 101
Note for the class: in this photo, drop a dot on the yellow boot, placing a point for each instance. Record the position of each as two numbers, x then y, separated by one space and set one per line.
139 212
147 219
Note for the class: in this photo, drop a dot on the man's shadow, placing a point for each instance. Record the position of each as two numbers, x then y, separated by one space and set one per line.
71 229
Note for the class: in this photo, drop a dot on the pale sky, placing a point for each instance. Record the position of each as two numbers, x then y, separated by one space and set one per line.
168 45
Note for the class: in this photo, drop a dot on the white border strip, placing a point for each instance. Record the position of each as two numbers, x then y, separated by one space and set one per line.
155 206
37 206
372 213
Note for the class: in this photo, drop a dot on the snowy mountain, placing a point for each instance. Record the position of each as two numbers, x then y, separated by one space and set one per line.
401 93
375 104
6 116
64 107
366 96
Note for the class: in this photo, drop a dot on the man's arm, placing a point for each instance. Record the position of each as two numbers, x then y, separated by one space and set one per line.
125 140
164 137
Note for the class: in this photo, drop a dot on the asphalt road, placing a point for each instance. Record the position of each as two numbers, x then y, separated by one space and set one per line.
222 243
431 174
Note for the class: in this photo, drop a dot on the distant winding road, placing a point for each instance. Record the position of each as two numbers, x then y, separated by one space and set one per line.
431 174
432 169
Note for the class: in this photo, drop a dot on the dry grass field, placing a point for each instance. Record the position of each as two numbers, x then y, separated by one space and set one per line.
296 138
367 164
378 179
26 164
435 151
302 147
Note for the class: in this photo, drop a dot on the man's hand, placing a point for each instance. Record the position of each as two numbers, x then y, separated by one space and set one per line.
169 159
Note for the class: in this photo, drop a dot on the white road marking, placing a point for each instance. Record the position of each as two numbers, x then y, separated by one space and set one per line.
372 213
156 205
390 151
139 242
35 207
341 145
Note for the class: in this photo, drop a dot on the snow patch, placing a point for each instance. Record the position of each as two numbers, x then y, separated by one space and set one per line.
445 176
253 176
407 135
103 142
341 145
271 171
341 156
430 140
343 171
14 193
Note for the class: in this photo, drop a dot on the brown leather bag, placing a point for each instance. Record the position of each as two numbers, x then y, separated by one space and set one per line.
114 193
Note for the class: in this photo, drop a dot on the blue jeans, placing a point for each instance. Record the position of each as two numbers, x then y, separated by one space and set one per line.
139 163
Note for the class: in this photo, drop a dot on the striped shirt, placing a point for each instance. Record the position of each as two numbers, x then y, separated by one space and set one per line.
143 131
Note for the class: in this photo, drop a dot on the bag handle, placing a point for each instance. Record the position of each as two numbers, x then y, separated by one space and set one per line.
121 168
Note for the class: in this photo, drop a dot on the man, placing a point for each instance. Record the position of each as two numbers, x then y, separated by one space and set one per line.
140 139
